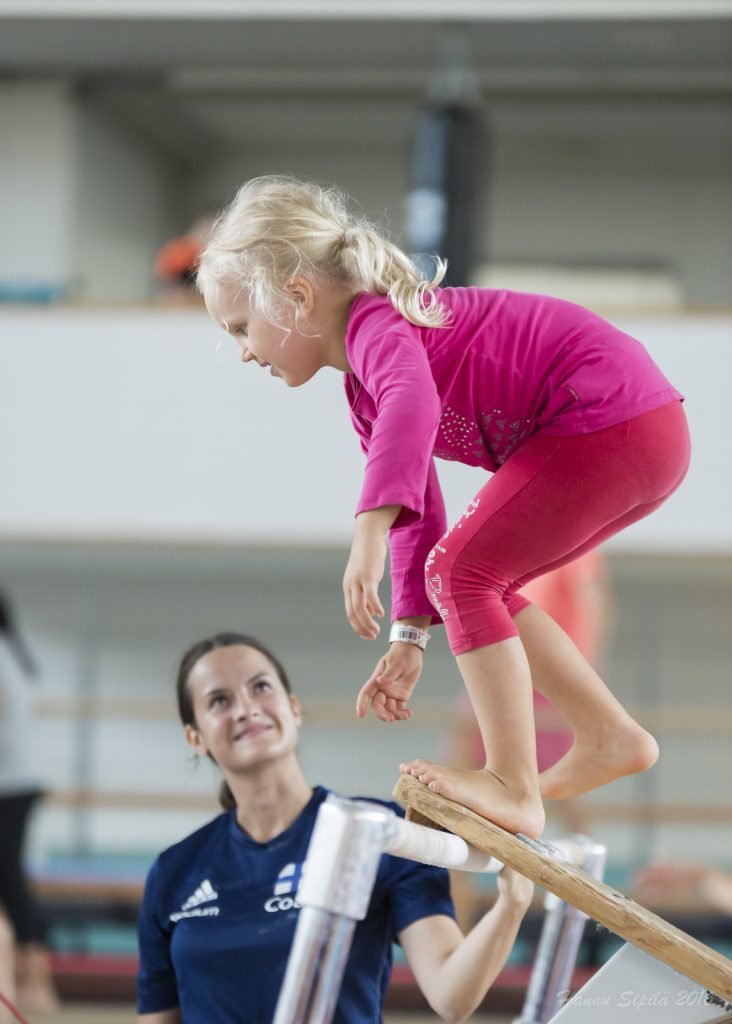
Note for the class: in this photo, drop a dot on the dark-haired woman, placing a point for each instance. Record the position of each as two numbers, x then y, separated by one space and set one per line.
220 909
25 969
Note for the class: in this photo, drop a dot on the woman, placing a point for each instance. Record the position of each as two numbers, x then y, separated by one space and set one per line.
25 969
219 910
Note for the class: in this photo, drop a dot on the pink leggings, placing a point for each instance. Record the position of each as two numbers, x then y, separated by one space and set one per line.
554 499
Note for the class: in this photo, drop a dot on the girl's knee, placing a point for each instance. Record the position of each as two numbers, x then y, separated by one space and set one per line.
453 578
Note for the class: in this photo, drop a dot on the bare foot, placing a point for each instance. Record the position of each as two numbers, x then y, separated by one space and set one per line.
592 762
484 793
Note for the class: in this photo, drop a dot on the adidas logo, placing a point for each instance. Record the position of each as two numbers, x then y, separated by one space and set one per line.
203 894
193 906
285 888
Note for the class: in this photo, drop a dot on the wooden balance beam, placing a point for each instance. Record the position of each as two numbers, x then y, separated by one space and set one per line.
610 908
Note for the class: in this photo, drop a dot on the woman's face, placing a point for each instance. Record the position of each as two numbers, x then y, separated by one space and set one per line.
244 716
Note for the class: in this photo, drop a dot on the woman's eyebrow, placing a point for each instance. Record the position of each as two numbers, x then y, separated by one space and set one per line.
214 692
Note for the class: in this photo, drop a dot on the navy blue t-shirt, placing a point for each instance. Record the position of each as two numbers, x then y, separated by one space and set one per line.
219 914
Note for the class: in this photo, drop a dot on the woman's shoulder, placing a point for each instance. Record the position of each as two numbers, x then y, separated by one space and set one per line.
391 805
208 835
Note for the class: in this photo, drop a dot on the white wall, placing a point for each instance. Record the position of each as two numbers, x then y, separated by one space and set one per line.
124 210
621 185
84 204
617 183
621 182
38 150
144 425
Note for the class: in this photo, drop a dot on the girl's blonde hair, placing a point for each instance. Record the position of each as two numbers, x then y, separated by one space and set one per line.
278 228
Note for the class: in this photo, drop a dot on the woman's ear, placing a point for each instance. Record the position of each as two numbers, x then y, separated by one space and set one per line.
195 740
296 709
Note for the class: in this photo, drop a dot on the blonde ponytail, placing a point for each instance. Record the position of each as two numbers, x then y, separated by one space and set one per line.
278 228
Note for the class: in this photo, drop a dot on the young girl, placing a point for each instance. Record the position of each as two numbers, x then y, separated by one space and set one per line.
220 909
582 432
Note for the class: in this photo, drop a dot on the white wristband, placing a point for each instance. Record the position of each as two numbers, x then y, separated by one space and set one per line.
409 635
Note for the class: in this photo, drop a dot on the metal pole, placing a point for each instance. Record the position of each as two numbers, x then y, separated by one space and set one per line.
335 891
561 935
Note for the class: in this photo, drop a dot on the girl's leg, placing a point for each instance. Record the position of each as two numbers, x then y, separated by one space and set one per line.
609 743
554 498
507 790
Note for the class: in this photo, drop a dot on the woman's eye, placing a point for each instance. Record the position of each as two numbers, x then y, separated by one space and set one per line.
218 700
262 686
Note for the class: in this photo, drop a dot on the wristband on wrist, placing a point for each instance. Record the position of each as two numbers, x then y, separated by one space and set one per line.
409 635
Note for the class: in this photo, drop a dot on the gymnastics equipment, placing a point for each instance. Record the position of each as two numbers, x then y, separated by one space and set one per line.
610 908
661 973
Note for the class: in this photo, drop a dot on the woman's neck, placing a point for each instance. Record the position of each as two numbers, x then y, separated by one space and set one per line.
269 801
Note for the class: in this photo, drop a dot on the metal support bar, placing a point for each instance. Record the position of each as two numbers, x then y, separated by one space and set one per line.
560 938
338 877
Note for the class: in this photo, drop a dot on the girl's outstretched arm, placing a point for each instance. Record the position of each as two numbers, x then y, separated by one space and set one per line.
455 971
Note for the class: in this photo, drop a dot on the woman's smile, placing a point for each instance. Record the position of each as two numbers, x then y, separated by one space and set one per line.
251 732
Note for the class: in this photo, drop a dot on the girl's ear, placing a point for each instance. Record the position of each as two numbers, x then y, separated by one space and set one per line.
195 740
303 293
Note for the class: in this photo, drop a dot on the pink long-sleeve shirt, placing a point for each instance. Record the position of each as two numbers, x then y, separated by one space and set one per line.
510 364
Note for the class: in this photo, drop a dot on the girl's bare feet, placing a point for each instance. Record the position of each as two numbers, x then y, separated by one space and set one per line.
594 761
513 808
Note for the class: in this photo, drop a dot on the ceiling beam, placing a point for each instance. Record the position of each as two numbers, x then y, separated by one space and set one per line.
337 10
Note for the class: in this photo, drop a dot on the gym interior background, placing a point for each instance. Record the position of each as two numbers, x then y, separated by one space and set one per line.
154 491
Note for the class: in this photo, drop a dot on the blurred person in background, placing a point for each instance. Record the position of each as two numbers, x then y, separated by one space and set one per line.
219 911
705 886
25 970
176 263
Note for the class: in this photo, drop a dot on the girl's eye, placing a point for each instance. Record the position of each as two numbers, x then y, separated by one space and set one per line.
217 701
262 686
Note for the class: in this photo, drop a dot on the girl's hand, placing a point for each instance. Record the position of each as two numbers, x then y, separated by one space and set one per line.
363 574
515 889
391 683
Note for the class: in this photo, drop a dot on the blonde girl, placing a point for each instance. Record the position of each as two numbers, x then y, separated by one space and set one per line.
579 429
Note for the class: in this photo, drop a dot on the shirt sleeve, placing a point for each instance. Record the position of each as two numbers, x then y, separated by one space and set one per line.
393 367
157 988
408 550
409 545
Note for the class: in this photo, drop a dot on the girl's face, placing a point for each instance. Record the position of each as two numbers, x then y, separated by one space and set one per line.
286 353
244 716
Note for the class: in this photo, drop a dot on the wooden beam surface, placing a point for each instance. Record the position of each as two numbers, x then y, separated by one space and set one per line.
605 905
